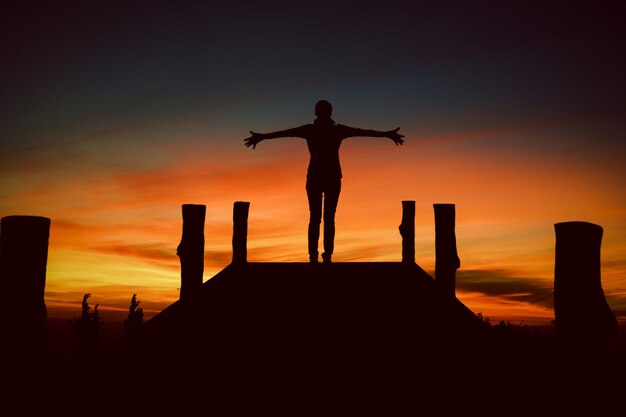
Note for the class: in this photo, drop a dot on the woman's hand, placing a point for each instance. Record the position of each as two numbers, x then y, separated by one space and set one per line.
395 136
254 139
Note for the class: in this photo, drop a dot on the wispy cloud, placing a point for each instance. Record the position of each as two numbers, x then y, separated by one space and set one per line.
506 284
155 253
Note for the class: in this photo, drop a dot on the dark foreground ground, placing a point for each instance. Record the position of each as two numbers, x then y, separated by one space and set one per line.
291 339
518 371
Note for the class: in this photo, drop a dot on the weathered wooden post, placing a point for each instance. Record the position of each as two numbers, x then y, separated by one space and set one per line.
580 307
240 232
191 249
23 262
446 258
407 231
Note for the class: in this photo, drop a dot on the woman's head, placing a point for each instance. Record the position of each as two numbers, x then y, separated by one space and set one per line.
323 109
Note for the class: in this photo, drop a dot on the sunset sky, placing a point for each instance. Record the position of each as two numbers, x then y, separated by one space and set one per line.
116 114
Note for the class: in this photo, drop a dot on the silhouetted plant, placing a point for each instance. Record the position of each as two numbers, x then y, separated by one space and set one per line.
134 322
88 330
507 329
486 321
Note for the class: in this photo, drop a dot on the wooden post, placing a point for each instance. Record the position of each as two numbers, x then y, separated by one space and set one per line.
446 258
23 261
191 249
240 232
407 231
580 307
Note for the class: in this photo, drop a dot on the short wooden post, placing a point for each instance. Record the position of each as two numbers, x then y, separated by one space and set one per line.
23 262
191 249
446 258
240 232
407 231
580 307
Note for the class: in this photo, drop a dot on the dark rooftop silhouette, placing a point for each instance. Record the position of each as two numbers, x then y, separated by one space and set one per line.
381 294
259 318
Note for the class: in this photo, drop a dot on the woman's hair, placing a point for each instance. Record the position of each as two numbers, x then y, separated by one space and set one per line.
323 109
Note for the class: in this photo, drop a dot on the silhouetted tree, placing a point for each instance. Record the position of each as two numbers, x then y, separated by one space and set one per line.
134 321
87 330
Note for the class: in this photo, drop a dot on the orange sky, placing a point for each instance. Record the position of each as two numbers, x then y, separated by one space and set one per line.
114 233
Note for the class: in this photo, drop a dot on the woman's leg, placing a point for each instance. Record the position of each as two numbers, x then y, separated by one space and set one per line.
331 198
314 193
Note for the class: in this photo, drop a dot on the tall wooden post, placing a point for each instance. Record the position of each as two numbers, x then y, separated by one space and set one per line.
446 258
191 249
23 262
407 231
580 307
240 232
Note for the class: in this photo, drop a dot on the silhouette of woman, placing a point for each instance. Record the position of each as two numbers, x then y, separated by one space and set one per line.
323 138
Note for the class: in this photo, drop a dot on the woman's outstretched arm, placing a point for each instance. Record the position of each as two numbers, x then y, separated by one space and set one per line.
396 137
296 132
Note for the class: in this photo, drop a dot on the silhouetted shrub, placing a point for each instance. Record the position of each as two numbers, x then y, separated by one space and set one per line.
507 335
508 329
484 320
88 330
134 322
